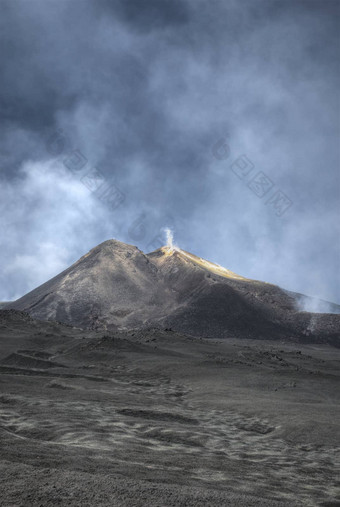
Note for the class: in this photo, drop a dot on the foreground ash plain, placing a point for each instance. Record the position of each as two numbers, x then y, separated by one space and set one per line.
156 418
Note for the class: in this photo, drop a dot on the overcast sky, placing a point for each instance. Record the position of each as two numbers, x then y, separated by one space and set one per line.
217 118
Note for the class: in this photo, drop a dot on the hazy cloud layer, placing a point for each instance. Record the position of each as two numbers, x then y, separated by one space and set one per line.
144 91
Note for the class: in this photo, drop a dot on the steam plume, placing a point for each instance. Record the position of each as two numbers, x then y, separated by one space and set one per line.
169 239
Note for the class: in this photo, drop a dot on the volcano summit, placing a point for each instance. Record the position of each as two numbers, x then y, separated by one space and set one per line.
117 286
175 382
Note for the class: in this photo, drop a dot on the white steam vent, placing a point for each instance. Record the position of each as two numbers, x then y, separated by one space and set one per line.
169 238
170 246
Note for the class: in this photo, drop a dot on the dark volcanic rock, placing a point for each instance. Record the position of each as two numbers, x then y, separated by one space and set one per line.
117 286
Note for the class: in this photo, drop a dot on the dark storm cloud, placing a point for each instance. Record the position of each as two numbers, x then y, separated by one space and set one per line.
150 15
144 90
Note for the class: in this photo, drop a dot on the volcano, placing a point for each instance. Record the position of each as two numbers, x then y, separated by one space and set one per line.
117 286
168 380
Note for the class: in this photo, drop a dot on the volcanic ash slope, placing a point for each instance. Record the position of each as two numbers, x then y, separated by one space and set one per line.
116 285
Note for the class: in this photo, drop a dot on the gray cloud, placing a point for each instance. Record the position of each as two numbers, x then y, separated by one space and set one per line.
144 90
